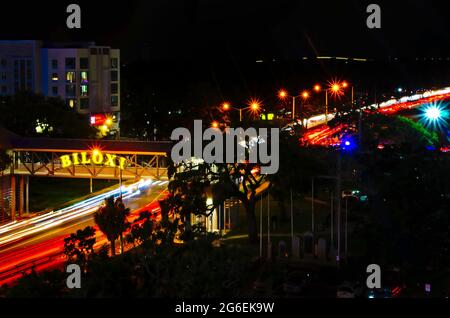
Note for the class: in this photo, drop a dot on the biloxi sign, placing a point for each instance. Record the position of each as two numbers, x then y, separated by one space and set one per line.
94 157
233 145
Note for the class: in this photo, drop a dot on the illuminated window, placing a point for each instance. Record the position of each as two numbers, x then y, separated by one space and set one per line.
83 90
55 77
71 102
70 77
84 77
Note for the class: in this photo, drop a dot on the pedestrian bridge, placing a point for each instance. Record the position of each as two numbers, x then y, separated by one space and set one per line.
74 158
85 158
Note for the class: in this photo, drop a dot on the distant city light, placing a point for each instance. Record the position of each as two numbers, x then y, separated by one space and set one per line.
399 89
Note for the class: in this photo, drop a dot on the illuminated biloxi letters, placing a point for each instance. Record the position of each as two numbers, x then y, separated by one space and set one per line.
237 141
95 157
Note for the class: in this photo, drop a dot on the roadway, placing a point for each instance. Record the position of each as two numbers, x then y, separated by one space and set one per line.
321 134
38 241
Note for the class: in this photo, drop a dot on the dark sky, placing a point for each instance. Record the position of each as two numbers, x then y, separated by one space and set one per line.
217 29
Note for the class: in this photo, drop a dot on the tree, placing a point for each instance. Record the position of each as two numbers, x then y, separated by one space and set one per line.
5 160
30 114
79 246
188 189
111 219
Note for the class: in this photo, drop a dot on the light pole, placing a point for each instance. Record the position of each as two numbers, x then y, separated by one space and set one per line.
283 94
346 226
254 106
335 88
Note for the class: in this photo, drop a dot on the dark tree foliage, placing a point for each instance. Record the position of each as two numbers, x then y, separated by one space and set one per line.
79 246
5 160
111 219
406 222
23 112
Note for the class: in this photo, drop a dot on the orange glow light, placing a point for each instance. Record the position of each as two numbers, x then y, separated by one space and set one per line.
282 94
215 124
344 84
255 105
305 94
317 88
336 88
226 106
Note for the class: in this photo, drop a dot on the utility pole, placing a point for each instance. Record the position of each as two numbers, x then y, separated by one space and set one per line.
338 202
312 205
293 107
292 222
261 229
346 226
269 245
332 220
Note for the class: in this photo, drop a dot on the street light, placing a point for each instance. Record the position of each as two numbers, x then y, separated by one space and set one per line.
215 124
282 94
254 105
336 89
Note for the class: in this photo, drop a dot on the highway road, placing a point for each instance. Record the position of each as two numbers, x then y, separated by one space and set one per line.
38 241
321 134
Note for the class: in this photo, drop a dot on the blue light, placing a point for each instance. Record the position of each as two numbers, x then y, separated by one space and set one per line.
433 113
435 116
347 144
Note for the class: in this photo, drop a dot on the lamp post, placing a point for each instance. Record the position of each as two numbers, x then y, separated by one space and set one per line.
283 94
335 88
254 105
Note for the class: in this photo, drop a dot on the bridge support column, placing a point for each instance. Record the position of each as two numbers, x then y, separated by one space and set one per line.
13 198
21 194
2 202
27 194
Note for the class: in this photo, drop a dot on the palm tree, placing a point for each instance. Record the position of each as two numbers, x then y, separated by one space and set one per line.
112 221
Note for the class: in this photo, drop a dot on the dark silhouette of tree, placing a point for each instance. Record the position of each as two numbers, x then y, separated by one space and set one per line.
79 246
111 219
5 160
23 112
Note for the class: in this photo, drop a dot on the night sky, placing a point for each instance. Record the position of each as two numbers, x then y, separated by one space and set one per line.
217 29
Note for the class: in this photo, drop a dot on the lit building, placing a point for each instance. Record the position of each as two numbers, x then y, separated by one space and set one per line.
84 75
